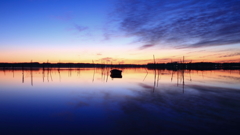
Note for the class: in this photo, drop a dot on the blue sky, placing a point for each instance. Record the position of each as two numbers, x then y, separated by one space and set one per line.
46 20
119 30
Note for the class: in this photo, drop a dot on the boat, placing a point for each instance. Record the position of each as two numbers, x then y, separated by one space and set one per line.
115 73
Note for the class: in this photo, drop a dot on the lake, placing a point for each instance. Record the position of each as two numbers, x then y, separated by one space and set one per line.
143 101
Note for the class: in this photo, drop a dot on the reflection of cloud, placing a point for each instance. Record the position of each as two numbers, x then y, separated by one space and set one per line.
229 77
189 23
174 112
145 86
65 115
81 104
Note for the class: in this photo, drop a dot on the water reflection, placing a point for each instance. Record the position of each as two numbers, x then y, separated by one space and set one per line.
63 101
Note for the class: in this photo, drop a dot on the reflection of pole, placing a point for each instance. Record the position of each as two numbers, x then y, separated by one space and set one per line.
31 74
79 70
13 70
101 67
59 75
183 80
177 77
158 78
107 73
22 74
43 72
154 84
70 70
172 76
180 76
48 72
145 75
190 75
51 74
94 70
105 70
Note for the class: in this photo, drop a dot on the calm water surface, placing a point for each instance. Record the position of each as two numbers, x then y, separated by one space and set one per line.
89 101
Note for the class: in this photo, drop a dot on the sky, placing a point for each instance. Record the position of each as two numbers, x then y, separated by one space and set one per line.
119 31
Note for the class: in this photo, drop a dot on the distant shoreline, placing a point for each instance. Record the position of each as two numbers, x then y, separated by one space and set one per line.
171 66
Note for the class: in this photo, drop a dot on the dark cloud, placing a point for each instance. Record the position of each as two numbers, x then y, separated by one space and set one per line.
145 46
209 55
106 36
80 28
230 55
108 59
196 51
188 23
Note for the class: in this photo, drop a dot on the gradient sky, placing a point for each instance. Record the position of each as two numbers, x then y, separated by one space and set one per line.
119 31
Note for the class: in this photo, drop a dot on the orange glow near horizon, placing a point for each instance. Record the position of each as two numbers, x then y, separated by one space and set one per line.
121 55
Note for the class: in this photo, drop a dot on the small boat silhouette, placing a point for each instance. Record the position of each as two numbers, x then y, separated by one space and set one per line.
115 73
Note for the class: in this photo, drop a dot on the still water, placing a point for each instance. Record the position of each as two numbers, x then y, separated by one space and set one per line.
89 101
